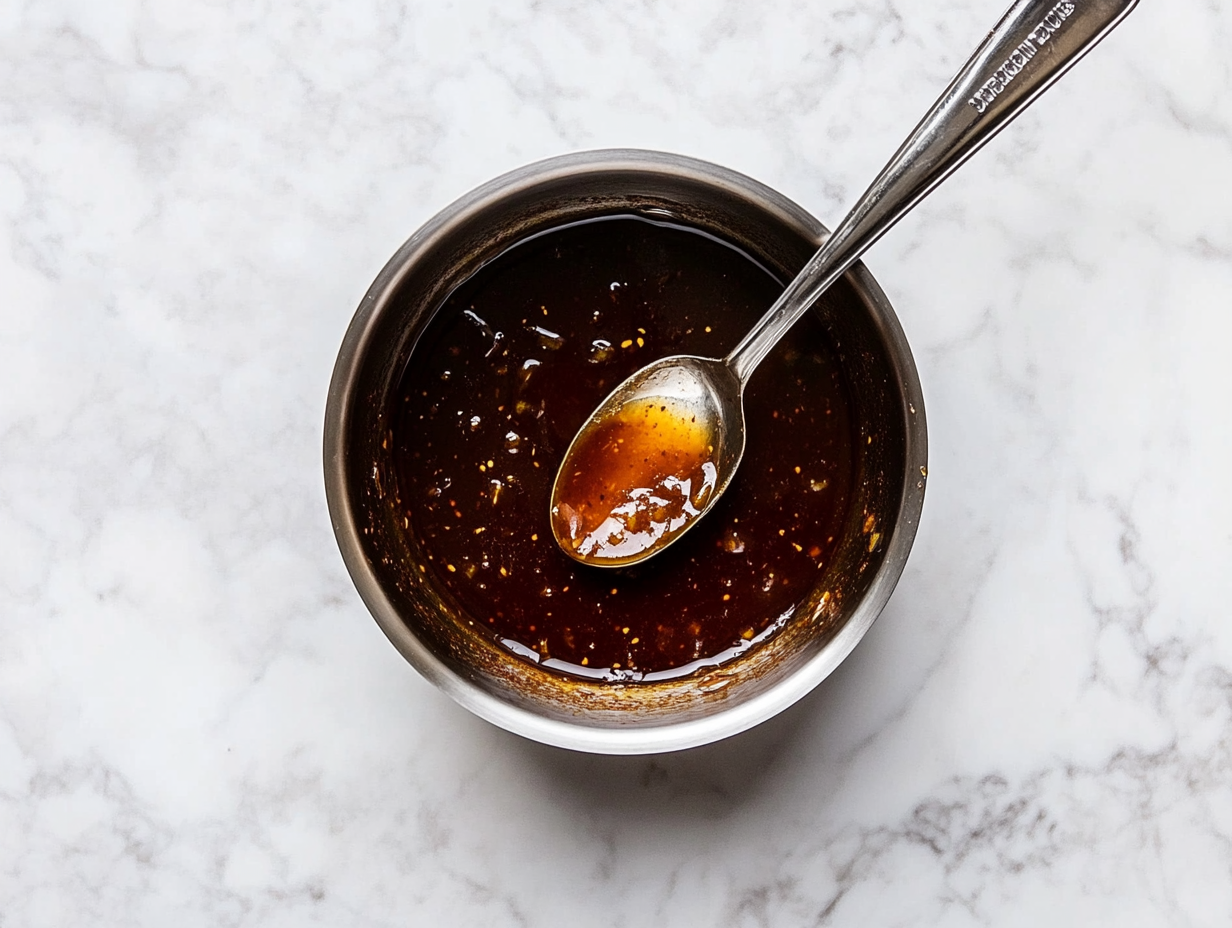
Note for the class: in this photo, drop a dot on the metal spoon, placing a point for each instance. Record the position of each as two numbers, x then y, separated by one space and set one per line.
607 512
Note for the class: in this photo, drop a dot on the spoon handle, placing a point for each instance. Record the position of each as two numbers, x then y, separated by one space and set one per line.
1035 42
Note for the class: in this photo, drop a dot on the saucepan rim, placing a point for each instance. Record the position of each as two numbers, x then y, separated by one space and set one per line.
577 734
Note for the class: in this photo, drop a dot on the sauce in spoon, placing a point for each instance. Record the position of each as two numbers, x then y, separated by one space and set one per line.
639 476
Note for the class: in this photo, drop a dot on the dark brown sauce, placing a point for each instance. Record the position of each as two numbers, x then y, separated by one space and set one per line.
507 372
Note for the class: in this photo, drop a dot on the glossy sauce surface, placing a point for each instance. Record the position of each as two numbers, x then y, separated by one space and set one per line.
511 366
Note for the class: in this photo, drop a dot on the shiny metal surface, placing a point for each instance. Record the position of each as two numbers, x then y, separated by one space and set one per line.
418 617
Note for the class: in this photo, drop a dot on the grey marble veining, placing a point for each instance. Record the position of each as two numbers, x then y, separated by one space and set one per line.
199 723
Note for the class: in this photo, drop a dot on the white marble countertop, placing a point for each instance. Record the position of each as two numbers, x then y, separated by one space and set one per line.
200 725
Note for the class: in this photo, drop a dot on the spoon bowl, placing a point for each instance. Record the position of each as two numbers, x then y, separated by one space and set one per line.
699 402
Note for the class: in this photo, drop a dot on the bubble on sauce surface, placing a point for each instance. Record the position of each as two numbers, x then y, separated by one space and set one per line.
552 341
601 350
